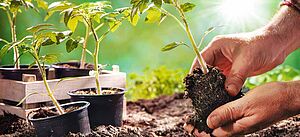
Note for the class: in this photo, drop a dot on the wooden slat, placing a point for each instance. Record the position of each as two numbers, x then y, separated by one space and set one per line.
16 90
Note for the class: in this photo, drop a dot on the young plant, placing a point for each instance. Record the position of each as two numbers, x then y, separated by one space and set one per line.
43 35
12 8
95 16
157 14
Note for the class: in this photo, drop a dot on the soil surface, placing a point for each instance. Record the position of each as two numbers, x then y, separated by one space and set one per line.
86 66
207 92
43 113
93 92
163 116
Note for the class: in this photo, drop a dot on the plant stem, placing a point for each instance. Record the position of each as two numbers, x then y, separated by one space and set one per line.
190 35
49 91
83 54
174 17
96 62
12 21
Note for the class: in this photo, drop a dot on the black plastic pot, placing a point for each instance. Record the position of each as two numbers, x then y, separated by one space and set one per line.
9 72
60 125
104 109
62 72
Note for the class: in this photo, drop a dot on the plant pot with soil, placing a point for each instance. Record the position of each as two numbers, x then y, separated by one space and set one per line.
71 69
109 102
13 8
48 122
12 73
205 85
60 119
105 109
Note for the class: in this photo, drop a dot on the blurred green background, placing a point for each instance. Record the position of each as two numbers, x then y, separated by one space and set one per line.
137 48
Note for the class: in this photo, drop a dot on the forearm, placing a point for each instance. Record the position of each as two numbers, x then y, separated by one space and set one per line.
284 29
293 97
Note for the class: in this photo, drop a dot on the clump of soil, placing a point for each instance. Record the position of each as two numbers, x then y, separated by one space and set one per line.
207 93
15 126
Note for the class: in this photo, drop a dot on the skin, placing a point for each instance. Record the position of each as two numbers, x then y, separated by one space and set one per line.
248 54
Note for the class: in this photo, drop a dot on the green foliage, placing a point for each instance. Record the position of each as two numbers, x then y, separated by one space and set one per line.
186 7
153 83
173 45
281 73
42 35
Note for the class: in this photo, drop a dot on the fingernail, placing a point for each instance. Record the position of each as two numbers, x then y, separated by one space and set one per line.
232 89
213 121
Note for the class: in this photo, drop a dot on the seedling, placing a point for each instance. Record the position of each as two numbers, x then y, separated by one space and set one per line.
12 9
43 35
157 14
95 16
205 85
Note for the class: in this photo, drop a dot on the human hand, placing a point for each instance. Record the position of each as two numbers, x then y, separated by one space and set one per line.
242 55
258 109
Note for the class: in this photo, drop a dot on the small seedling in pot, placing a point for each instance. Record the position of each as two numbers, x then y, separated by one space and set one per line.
43 35
13 8
95 16
205 85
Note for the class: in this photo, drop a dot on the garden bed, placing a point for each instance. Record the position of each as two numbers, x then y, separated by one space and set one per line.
163 116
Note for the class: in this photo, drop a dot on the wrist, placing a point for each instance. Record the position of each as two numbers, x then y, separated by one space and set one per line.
293 97
284 30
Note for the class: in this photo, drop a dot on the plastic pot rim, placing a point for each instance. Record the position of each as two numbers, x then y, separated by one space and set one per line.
29 117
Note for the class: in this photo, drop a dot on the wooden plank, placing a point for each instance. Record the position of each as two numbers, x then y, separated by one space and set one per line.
13 110
20 89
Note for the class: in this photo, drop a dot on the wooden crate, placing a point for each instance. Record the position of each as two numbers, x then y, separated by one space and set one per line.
12 92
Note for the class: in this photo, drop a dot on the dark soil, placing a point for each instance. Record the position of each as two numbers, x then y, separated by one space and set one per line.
86 66
207 93
43 113
163 116
13 126
93 92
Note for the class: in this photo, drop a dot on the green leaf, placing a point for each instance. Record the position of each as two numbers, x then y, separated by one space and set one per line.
135 20
27 96
71 45
173 45
67 15
168 1
154 15
57 6
72 23
15 5
209 30
157 3
42 4
162 17
3 40
36 28
143 5
4 50
186 7
49 58
114 25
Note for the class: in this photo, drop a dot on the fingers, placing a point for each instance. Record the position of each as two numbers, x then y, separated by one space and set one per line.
225 114
234 83
242 126
209 52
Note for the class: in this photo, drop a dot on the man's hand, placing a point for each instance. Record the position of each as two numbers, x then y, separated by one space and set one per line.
243 55
249 54
260 108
